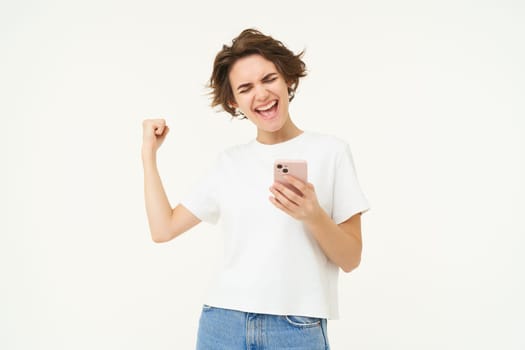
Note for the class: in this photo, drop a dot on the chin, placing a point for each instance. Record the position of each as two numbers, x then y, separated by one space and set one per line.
272 128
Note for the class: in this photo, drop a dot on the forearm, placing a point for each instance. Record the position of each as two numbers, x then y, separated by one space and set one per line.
158 208
342 248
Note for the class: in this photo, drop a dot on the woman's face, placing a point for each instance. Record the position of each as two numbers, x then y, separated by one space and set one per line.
260 92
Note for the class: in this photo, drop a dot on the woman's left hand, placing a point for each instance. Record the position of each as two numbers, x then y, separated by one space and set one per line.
303 206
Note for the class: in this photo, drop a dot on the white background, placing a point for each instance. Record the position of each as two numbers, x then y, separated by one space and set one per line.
429 94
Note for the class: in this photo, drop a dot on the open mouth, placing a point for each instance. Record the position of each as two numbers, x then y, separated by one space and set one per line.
268 111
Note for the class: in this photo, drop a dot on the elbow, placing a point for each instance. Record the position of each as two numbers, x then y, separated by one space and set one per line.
350 266
160 237
157 239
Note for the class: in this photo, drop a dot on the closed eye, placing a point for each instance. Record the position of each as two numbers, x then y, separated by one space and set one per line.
268 78
244 88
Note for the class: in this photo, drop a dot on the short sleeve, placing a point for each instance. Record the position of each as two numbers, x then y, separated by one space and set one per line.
203 199
349 199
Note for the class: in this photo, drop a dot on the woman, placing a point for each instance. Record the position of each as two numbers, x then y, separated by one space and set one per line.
283 248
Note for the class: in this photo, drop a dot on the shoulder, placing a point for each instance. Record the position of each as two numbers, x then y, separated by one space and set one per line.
329 142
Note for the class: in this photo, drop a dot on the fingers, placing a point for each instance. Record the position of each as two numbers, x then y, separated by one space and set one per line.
159 130
163 131
298 205
154 133
286 196
156 126
295 182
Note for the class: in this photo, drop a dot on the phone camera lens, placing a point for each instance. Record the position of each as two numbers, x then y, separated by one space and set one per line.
285 170
279 166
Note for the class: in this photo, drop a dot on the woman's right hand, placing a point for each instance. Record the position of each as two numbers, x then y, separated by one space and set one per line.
154 133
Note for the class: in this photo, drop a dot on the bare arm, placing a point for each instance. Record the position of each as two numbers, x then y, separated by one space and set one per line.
165 223
341 243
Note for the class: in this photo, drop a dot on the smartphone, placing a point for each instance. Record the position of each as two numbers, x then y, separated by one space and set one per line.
295 167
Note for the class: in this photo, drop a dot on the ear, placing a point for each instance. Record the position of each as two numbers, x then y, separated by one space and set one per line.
289 84
233 104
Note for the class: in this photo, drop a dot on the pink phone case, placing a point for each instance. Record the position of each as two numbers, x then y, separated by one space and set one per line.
294 167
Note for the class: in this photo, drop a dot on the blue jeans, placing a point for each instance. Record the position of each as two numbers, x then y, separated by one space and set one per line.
223 329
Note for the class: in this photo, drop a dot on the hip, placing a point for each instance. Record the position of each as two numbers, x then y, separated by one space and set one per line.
221 328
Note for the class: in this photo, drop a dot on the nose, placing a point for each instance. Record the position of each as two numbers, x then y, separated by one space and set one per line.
261 93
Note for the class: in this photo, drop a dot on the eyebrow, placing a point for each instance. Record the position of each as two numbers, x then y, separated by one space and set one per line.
267 76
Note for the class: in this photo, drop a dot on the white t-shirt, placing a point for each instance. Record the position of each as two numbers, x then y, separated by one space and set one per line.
272 264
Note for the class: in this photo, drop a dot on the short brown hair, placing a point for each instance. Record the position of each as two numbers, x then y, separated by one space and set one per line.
249 42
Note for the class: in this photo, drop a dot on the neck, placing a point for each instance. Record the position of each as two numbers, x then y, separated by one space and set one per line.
288 131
